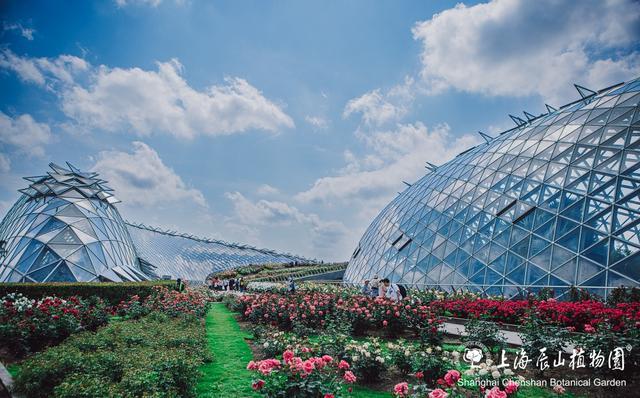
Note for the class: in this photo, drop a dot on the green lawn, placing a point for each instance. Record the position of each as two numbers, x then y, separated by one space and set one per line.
226 375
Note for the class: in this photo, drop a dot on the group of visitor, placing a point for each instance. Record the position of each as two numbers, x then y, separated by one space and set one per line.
227 285
377 287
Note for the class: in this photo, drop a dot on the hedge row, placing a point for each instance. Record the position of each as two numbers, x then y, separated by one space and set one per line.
111 292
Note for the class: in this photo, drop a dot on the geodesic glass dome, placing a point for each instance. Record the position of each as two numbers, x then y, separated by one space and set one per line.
65 227
554 202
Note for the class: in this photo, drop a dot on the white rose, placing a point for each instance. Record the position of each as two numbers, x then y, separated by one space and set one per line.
366 354
429 350
508 372
489 362
407 353
266 344
495 374
380 359
482 372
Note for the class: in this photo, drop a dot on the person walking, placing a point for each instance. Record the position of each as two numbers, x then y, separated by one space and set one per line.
375 286
366 288
383 285
179 285
291 285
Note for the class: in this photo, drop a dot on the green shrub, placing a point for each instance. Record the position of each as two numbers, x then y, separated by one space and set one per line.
485 332
156 356
111 292
623 294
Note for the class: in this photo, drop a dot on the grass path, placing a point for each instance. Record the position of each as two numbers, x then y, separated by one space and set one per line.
226 375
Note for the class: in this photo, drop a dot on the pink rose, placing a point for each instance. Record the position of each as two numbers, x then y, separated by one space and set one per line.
558 389
495 392
438 393
419 375
343 364
327 358
287 356
385 323
452 377
308 366
511 387
401 389
349 377
329 396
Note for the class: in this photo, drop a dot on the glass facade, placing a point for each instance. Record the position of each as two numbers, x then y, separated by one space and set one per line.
553 202
193 258
65 227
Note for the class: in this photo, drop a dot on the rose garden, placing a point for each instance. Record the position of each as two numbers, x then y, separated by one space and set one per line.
147 339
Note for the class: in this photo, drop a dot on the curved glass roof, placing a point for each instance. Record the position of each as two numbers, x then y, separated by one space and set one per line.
193 258
553 202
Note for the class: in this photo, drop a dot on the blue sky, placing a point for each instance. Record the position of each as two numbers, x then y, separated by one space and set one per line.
285 124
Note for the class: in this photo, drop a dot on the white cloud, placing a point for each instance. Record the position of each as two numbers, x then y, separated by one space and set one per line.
24 135
318 122
46 72
272 215
394 156
5 163
267 190
378 107
145 102
142 178
25 32
520 47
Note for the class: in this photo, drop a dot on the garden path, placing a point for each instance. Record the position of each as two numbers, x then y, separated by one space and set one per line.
226 375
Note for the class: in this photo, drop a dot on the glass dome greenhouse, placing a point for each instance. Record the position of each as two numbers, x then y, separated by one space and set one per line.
553 202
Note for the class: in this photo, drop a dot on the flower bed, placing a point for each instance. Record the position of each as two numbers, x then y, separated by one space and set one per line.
567 314
28 325
168 301
314 309
283 320
302 375
152 357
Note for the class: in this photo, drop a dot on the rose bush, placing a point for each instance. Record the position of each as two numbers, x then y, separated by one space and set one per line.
171 302
28 325
303 376
367 357
361 313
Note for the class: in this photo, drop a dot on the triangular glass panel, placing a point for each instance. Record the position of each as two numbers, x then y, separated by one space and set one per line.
589 237
587 269
41 274
621 250
62 274
598 252
66 237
